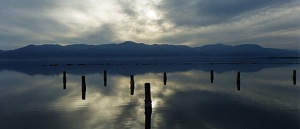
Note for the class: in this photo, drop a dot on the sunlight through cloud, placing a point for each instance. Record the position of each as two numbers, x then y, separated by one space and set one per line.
193 23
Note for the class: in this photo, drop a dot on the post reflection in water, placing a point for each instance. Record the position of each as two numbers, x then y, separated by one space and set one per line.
190 101
148 106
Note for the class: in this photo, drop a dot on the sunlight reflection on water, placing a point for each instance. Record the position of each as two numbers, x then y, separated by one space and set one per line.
267 99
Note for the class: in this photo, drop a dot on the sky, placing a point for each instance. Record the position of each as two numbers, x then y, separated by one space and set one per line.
269 23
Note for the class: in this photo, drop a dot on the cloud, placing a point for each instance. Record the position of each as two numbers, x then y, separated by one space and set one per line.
234 22
26 22
193 22
210 12
89 22
106 33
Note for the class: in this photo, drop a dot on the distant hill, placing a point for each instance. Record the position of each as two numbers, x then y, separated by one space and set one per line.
132 49
245 50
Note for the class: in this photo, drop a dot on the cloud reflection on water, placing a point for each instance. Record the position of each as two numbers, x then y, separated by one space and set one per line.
189 100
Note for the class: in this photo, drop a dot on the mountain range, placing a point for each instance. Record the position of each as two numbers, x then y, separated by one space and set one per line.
132 49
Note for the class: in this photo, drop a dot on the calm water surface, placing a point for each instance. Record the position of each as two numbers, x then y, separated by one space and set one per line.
34 98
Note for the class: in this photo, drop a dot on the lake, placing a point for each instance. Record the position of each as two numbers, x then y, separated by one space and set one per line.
188 96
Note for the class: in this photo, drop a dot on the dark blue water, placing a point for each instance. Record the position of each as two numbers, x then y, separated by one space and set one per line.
33 96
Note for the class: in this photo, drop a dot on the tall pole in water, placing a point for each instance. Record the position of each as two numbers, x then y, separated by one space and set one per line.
165 78
131 84
83 87
294 77
211 76
64 80
238 80
148 106
105 78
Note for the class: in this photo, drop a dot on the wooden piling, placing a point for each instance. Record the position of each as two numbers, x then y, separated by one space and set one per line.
64 80
211 76
83 95
147 93
165 78
83 87
148 112
294 77
105 78
148 106
131 84
238 80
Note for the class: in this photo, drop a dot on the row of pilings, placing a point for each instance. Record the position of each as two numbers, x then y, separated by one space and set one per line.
132 86
148 100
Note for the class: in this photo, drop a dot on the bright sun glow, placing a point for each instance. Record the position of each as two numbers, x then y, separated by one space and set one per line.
151 14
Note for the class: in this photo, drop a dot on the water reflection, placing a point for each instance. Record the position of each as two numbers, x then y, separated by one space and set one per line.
129 66
268 100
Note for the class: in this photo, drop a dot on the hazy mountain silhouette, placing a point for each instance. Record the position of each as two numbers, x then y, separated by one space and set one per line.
245 50
132 49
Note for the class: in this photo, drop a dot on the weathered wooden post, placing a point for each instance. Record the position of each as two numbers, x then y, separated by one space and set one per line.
147 93
148 106
238 80
83 87
165 78
64 80
294 77
148 112
105 78
211 76
131 84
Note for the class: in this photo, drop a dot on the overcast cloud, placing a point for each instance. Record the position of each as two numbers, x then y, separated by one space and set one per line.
269 23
